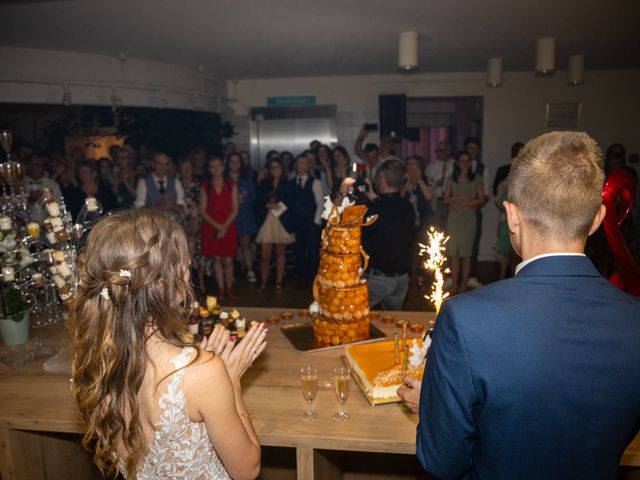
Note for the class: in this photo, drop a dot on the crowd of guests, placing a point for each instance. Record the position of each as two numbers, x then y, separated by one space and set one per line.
230 211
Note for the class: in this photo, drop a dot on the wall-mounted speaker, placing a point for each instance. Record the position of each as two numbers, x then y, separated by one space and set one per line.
393 115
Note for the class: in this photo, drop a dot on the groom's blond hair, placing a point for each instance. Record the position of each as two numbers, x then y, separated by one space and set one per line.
556 182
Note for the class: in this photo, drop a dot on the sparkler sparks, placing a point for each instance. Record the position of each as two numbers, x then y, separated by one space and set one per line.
435 258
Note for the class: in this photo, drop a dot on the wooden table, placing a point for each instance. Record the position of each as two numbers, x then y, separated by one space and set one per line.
36 413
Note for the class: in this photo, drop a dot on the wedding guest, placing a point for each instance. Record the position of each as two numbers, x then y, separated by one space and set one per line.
105 171
276 230
325 162
417 191
124 179
286 158
480 170
155 404
504 251
159 189
315 169
229 148
419 194
35 182
247 225
89 186
24 151
437 172
503 171
370 154
65 172
262 174
198 159
557 337
190 217
463 194
219 209
340 169
246 163
307 201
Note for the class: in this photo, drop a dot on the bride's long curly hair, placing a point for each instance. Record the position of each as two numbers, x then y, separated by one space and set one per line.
133 283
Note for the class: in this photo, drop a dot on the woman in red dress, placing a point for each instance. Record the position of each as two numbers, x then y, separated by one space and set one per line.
219 209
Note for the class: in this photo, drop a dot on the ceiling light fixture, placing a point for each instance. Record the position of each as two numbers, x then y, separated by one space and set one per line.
576 70
545 56
408 51
494 72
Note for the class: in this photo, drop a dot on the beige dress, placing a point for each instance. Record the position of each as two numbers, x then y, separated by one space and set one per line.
272 231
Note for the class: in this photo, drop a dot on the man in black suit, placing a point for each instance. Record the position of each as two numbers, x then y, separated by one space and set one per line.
537 376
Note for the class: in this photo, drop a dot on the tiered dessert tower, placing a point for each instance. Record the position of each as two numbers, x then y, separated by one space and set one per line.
342 295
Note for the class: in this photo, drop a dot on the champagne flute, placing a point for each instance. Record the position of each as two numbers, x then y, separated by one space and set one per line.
309 377
341 382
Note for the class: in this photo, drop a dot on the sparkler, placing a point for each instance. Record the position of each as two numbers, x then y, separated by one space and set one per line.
435 258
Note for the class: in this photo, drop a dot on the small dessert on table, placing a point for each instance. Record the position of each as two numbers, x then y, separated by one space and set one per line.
52 207
5 223
8 274
388 319
272 319
212 302
416 327
33 229
61 233
286 315
92 204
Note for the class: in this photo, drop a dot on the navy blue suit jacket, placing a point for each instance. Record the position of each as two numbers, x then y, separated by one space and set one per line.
535 377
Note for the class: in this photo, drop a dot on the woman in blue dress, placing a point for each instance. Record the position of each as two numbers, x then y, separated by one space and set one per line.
246 221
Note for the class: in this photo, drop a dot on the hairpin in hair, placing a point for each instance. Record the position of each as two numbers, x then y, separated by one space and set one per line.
104 293
125 274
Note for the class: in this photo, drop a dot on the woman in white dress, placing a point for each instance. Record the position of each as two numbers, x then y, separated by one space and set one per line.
157 404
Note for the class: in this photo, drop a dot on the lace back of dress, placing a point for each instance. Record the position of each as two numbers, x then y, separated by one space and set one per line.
181 449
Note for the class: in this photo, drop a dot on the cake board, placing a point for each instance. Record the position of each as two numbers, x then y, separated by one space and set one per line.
301 337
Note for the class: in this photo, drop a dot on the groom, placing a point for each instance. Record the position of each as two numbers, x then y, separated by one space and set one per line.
538 376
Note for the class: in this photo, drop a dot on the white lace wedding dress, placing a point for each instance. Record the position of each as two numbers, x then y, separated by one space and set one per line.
181 449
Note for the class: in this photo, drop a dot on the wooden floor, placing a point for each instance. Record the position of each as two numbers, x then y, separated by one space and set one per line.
295 295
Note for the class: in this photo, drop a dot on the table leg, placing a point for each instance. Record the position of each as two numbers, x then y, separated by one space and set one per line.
314 464
26 455
7 470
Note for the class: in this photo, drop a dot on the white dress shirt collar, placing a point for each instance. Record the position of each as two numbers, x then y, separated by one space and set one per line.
523 264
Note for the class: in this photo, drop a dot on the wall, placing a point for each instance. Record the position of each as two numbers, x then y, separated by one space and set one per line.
515 111
20 67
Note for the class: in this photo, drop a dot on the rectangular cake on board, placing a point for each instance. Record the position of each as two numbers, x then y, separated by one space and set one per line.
375 367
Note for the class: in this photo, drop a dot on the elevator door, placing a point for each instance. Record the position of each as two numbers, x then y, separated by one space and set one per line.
290 129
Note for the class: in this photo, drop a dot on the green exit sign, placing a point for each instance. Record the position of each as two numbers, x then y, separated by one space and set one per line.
288 101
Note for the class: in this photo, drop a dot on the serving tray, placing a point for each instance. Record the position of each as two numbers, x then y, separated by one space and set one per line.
301 337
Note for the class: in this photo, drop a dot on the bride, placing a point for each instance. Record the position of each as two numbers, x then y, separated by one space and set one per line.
156 404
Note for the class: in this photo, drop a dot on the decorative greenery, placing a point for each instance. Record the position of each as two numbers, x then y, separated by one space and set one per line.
12 304
174 132
171 131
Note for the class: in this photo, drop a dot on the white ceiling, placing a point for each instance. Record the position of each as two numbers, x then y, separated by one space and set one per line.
282 38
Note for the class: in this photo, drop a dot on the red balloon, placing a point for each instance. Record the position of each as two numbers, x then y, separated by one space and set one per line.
620 184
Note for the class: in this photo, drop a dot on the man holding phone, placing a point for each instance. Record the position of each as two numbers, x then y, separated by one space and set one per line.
371 154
